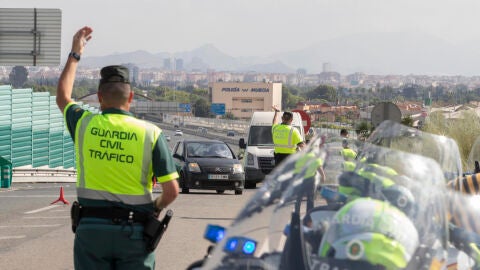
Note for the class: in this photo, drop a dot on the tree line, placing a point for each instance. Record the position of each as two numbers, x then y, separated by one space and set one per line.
291 95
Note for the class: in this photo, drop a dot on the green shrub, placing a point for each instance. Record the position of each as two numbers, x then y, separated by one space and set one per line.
463 130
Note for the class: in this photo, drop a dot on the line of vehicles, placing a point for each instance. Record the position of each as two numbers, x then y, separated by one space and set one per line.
200 167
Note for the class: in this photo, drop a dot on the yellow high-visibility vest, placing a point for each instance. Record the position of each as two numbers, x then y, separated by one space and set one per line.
114 153
285 139
348 154
312 162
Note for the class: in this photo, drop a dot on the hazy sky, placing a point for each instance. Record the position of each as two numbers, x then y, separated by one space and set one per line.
251 27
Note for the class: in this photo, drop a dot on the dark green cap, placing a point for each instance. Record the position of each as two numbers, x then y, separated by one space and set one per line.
114 74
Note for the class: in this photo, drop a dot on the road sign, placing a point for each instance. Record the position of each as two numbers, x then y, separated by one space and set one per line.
30 36
185 107
385 111
218 108
307 122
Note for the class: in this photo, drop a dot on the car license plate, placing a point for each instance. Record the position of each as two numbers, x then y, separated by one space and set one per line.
218 176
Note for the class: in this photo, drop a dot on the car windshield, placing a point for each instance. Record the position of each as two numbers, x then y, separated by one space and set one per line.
208 150
260 135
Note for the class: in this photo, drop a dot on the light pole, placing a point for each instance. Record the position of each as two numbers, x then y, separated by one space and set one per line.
175 91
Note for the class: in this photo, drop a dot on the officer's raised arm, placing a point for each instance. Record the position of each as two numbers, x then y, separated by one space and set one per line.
67 78
275 116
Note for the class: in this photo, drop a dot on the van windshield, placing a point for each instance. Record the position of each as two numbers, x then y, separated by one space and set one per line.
260 135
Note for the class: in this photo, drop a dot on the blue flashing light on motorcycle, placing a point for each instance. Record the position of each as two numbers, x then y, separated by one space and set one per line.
286 230
214 233
332 195
240 246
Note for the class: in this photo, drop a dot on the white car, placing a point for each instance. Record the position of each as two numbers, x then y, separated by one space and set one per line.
178 132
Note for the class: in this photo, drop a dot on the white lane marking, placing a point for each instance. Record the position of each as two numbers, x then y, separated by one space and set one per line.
32 226
47 217
41 209
12 237
33 196
61 210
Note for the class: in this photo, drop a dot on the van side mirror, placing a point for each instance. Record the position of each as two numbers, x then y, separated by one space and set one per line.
241 143
240 155
178 156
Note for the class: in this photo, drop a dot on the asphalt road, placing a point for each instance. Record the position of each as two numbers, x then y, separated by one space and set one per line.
35 234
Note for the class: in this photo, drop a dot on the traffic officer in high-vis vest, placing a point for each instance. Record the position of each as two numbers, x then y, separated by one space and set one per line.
347 153
286 139
117 156
309 166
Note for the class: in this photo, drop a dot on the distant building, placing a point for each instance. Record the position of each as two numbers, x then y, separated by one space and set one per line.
167 64
134 73
242 99
329 78
327 67
325 112
179 64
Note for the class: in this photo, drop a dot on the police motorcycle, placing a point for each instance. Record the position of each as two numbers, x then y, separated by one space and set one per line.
464 227
464 210
462 206
470 182
380 222
268 195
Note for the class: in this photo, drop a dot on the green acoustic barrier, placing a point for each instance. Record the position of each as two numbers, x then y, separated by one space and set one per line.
32 129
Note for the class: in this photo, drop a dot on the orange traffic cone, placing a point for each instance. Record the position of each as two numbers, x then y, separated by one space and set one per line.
61 198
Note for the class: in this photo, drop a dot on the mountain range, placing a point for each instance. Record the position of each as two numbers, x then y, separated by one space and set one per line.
371 53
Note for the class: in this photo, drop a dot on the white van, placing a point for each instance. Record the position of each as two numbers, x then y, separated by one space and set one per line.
258 157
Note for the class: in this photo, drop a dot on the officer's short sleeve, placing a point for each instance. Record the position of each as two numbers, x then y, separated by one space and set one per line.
274 126
72 114
297 137
163 164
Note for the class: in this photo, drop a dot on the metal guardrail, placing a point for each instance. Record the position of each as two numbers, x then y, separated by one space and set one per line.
43 172
192 130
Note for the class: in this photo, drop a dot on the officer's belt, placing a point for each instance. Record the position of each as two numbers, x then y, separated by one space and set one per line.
116 214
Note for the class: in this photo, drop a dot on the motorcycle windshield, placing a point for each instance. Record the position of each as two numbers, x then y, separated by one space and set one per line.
442 149
385 209
473 161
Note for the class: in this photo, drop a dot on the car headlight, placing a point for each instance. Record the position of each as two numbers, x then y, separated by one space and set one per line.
193 167
237 168
250 160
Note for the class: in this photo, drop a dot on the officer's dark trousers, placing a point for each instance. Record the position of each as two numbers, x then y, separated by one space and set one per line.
279 157
100 244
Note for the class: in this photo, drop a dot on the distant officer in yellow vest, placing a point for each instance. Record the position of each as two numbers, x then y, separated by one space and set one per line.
311 166
286 139
117 156
347 153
